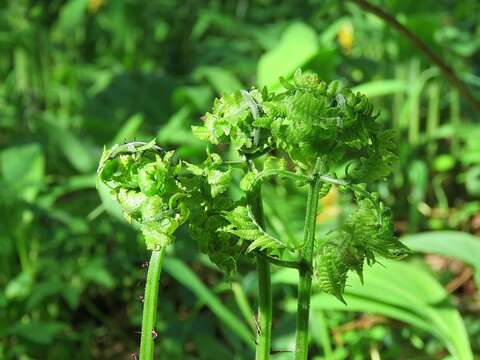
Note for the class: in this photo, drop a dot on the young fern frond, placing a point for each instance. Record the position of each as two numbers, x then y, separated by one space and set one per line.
330 272
243 225
312 119
315 127
364 234
251 179
143 178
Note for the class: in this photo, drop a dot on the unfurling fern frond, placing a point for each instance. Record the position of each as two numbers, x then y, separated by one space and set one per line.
324 189
144 180
243 225
329 271
366 232
222 248
381 159
231 121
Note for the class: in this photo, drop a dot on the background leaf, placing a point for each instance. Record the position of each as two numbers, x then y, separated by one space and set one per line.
23 169
401 291
296 47
182 273
454 244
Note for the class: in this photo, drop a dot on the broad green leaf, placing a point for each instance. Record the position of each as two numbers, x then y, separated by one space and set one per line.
40 332
81 155
223 81
95 271
182 273
401 291
43 290
20 286
472 179
199 97
455 244
71 14
111 206
22 169
209 347
381 87
71 184
298 45
177 130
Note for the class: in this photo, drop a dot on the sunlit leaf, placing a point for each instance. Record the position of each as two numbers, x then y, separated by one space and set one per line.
453 244
401 291
298 45
182 273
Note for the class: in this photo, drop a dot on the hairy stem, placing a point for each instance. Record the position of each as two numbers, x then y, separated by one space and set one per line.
424 49
150 305
305 272
264 330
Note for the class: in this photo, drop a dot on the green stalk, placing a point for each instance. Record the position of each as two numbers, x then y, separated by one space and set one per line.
264 331
22 252
150 305
305 271
414 102
321 333
433 118
455 121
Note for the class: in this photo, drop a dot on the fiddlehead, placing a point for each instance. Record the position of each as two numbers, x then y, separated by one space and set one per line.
143 179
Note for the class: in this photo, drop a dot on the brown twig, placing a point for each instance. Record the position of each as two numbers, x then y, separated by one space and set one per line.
461 279
365 322
424 49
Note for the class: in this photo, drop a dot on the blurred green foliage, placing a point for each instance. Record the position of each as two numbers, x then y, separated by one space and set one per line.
78 74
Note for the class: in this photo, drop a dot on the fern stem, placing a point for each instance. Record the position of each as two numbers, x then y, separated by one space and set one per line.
280 173
280 262
305 272
264 330
150 305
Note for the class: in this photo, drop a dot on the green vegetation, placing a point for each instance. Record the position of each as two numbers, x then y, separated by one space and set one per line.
255 189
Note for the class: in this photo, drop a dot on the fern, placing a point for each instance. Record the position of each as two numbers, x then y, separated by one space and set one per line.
330 272
324 189
143 179
366 232
311 121
223 249
313 127
243 225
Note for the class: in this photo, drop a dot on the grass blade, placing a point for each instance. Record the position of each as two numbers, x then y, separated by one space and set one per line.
182 273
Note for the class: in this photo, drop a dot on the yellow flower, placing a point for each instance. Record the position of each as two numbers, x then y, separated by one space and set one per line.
345 37
329 206
94 5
